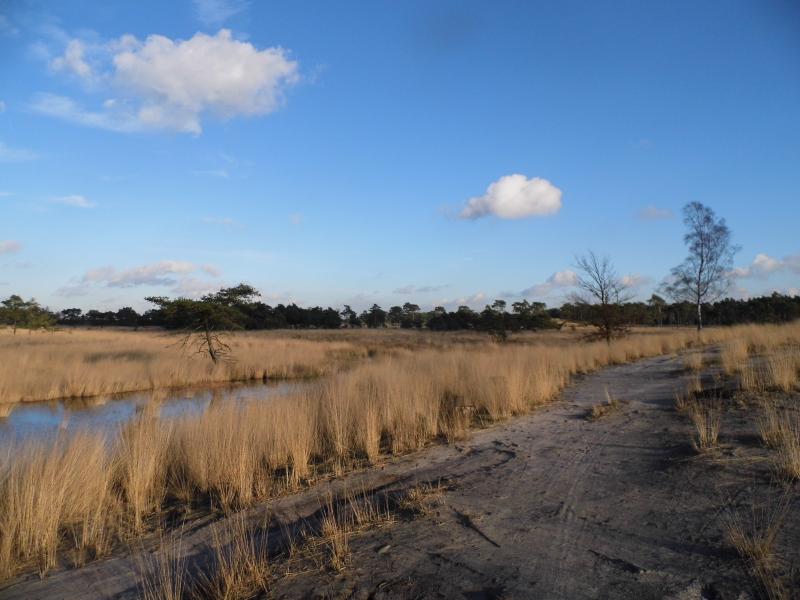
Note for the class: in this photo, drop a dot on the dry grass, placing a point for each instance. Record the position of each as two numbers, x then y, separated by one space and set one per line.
780 430
241 568
754 534
733 354
85 493
83 363
602 409
694 360
163 575
706 416
421 498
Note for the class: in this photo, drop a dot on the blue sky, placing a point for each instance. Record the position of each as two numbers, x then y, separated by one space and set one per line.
438 152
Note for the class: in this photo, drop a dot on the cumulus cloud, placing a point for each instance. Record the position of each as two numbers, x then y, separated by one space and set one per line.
653 213
422 289
215 12
764 265
515 197
157 84
9 154
9 246
557 281
75 200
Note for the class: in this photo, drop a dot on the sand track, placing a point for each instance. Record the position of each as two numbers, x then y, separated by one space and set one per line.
549 505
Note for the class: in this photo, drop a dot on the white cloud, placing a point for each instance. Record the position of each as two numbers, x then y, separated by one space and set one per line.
73 60
422 289
557 281
653 213
162 273
192 287
9 246
764 265
9 154
166 84
215 12
634 280
476 301
211 270
119 119
793 291
75 200
515 197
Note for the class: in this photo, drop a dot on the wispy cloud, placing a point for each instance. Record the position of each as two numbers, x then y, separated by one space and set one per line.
181 277
422 289
75 200
221 173
643 144
225 221
215 12
295 218
635 281
9 154
515 197
9 246
653 213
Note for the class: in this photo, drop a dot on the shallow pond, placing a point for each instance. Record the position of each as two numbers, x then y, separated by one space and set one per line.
45 420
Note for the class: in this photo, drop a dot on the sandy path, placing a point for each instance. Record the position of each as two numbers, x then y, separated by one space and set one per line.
549 505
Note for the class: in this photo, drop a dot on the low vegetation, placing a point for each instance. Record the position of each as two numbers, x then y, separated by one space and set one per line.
72 499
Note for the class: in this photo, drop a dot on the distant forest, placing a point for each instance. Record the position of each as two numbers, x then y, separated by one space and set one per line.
244 311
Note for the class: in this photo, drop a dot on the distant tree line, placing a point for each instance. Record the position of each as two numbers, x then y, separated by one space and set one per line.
776 308
241 310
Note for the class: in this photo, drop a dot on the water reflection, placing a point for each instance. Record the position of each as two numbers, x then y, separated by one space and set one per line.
45 419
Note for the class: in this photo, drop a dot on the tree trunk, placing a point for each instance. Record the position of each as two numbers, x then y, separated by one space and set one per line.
210 344
699 316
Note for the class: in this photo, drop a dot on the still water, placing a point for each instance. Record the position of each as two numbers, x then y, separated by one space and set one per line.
44 420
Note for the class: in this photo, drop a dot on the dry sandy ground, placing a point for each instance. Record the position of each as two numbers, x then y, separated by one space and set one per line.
549 505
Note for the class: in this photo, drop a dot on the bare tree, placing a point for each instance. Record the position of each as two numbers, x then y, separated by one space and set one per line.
704 276
604 292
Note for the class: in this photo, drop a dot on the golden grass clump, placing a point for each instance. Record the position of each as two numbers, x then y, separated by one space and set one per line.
241 566
754 534
50 493
733 354
706 416
693 361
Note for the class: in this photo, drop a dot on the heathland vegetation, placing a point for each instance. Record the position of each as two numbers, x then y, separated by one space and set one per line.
74 498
